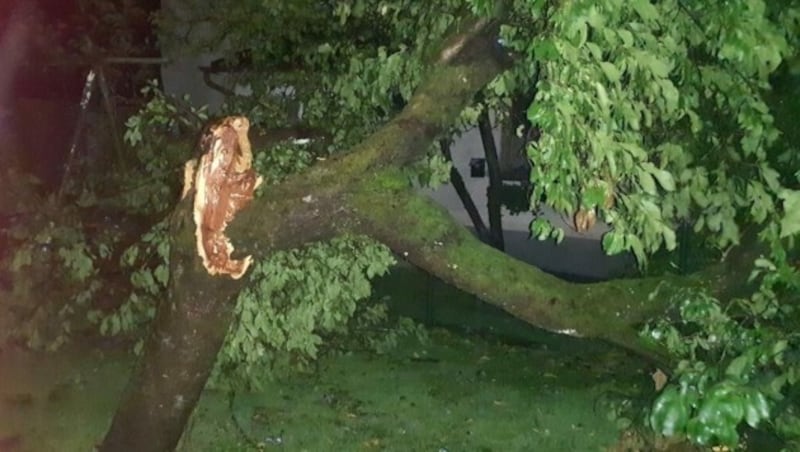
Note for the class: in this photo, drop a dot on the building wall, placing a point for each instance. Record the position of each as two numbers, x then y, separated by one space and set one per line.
182 76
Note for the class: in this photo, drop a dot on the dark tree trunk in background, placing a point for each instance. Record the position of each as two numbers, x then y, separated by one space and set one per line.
513 159
494 203
469 205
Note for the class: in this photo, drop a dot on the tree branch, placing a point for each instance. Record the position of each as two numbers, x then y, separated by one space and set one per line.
467 63
191 325
425 234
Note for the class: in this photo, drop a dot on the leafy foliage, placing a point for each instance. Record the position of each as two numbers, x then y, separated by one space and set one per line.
433 171
295 299
147 262
738 363
658 115
53 260
350 63
708 404
659 107
147 183
161 115
282 160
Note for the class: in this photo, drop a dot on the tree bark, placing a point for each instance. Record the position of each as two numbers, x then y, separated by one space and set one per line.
425 234
495 206
180 352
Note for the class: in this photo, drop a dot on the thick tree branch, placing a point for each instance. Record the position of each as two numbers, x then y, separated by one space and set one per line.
425 234
465 65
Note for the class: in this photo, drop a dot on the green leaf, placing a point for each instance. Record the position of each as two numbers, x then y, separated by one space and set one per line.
594 196
541 228
545 50
739 366
647 182
595 50
162 274
790 223
670 241
613 242
700 432
645 9
658 66
602 96
626 36
771 177
756 408
670 412
612 73
670 94
664 179
634 149
778 349
636 246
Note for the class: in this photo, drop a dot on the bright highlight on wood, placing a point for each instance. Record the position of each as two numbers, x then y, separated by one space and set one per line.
223 182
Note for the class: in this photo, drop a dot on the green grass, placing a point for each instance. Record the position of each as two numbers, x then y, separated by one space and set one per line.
460 391
453 393
58 402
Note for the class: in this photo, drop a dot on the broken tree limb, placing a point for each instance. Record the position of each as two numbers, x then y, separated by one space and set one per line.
191 325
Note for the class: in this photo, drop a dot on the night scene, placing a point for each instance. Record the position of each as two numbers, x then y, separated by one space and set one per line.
399 225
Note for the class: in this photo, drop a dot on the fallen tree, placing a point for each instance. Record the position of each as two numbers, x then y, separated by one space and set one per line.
363 192
359 193
191 324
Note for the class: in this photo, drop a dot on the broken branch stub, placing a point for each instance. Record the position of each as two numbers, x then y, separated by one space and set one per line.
224 183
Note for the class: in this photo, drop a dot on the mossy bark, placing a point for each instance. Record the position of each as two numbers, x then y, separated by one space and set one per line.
425 234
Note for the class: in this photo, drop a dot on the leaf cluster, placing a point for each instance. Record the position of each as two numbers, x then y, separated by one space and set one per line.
54 262
295 299
737 365
659 107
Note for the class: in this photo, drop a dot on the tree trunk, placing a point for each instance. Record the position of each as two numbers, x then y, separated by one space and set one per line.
180 352
495 206
461 189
